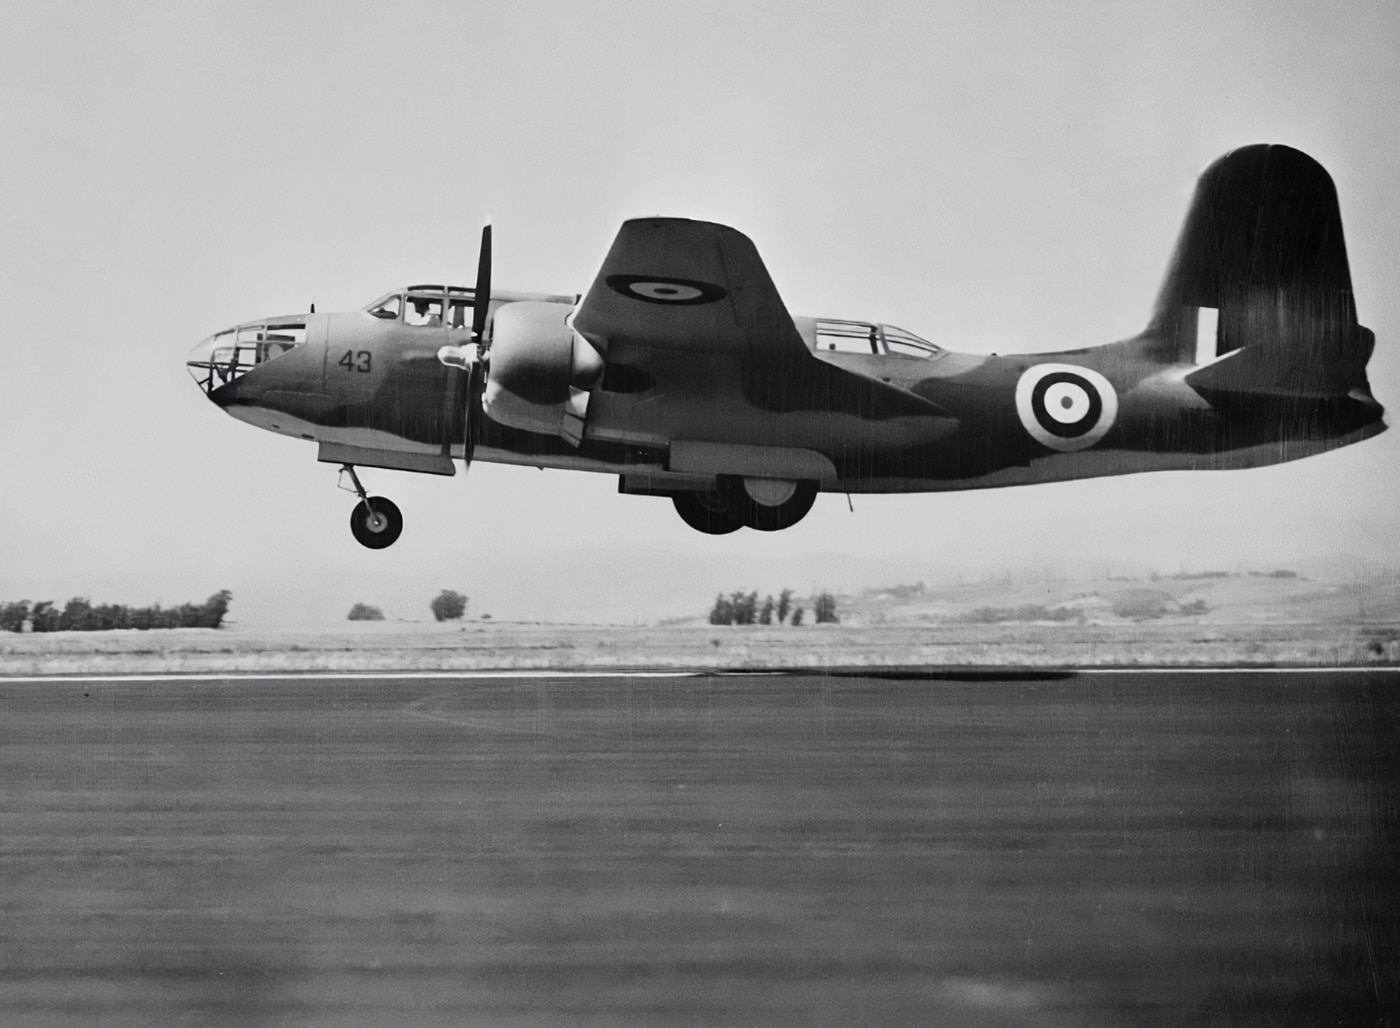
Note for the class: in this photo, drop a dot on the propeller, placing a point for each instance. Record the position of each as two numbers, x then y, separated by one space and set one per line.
476 376
469 358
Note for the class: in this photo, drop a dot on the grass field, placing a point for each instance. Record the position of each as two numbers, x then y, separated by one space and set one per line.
1238 619
1147 849
406 646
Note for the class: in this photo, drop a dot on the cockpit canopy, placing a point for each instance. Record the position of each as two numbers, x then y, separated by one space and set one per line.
423 306
869 338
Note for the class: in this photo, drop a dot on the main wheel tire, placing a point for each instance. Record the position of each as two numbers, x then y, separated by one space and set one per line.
376 522
708 512
772 517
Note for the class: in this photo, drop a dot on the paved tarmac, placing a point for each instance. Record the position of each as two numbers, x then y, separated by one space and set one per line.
1060 850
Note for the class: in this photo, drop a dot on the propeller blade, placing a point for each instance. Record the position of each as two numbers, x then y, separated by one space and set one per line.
474 384
483 286
471 424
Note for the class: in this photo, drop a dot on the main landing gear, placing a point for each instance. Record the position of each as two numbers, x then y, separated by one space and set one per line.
767 505
375 522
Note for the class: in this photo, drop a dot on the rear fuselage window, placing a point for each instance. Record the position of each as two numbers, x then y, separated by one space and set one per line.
847 337
900 342
866 338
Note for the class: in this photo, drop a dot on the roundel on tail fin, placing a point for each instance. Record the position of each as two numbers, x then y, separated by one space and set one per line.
1065 407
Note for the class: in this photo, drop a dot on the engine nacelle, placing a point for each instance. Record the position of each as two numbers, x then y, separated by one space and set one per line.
540 371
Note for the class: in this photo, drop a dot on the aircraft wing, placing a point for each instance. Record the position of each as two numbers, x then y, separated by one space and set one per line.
670 288
688 285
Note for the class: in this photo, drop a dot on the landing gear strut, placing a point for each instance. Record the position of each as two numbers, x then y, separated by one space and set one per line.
375 522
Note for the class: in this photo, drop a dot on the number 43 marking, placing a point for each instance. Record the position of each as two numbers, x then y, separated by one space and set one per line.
353 361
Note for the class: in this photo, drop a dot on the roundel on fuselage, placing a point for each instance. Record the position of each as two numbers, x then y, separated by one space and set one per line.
1065 407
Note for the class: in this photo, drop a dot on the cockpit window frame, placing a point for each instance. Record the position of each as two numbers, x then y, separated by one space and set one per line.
461 308
456 304
397 297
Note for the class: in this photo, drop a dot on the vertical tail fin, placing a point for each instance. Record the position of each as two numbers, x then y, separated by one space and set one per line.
1262 247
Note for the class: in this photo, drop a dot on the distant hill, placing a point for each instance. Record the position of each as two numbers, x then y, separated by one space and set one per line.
1347 593
1233 598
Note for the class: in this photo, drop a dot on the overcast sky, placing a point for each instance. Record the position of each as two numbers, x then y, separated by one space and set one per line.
993 177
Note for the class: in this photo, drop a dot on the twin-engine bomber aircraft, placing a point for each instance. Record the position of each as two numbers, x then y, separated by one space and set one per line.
681 372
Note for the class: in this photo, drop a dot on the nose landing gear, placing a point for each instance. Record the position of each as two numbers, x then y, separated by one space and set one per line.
375 522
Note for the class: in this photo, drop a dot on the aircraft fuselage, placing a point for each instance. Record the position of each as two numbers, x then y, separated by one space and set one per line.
682 373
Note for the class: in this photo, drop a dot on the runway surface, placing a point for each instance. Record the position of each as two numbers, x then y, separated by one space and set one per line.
1062 850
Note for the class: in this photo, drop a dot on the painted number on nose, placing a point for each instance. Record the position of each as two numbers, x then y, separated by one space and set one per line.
353 361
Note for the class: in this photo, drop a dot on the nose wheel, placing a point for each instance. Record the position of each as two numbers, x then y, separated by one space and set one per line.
375 522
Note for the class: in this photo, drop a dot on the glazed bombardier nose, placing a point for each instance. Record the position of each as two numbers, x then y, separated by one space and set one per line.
225 356
207 372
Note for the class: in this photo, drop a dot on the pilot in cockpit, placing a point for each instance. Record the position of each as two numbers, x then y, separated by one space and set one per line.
424 312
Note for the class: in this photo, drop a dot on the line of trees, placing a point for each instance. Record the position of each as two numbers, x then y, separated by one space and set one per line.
741 608
80 615
448 605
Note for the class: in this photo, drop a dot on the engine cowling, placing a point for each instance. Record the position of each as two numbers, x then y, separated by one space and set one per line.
540 371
